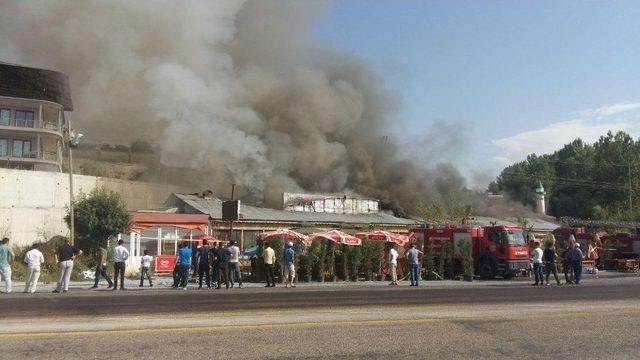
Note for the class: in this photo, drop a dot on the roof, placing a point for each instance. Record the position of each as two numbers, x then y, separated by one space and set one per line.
169 218
213 207
537 224
38 84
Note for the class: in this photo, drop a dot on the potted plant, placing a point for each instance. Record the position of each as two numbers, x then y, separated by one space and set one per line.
355 260
467 261
428 261
376 259
330 261
319 262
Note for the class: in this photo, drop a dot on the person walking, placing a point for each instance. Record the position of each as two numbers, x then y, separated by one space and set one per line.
6 258
184 257
145 268
413 257
204 269
101 268
234 266
269 258
576 256
567 265
536 260
549 256
120 256
213 260
65 254
34 259
222 256
393 265
289 265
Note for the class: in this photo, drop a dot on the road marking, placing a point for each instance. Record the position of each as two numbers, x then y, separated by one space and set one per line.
329 323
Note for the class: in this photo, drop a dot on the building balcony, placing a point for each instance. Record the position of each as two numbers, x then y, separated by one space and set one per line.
44 128
32 158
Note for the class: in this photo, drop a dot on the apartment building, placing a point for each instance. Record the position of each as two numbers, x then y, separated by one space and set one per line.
32 117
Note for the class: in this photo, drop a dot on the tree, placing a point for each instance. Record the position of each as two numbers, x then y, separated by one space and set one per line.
99 216
590 181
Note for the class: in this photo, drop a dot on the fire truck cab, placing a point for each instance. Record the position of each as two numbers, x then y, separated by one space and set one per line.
497 250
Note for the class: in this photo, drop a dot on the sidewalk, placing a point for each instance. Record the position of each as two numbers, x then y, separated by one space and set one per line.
165 282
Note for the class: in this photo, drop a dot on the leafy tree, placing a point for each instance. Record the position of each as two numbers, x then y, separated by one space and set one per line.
590 181
428 260
99 216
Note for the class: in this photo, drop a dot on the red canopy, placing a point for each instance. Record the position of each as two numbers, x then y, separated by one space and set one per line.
284 234
336 236
399 239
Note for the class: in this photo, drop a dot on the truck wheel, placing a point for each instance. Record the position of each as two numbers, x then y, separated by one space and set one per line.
486 269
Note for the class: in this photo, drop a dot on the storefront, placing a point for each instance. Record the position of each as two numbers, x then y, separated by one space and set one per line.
160 233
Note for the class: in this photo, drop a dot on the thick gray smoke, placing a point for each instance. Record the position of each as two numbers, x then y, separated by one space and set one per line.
238 89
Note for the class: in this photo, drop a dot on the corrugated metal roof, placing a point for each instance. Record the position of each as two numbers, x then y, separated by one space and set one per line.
213 207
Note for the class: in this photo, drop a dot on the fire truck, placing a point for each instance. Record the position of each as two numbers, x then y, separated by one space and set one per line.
497 250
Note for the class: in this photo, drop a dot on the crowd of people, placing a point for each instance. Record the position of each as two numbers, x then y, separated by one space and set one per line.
216 264
544 262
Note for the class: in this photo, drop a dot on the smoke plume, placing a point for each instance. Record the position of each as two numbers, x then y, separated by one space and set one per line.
237 89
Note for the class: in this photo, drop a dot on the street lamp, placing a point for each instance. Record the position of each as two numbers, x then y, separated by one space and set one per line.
72 139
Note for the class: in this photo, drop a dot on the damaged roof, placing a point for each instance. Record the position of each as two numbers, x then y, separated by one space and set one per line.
213 206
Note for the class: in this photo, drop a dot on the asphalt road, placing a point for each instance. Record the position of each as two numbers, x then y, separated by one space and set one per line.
170 301
505 320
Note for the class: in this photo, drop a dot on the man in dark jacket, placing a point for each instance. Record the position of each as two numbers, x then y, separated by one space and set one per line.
575 256
222 257
203 264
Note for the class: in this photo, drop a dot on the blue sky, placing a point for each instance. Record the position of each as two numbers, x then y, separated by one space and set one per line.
518 76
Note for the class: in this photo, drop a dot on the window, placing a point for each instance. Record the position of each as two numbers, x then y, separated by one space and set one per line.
21 148
4 147
24 118
5 117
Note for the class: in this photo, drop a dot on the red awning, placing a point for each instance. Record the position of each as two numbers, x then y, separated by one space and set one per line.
145 220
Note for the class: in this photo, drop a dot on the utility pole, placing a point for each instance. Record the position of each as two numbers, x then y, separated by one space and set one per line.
630 191
71 212
72 139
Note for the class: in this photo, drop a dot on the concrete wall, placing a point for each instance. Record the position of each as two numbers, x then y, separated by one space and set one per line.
34 203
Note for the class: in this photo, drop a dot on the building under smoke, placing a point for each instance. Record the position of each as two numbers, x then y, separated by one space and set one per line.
32 117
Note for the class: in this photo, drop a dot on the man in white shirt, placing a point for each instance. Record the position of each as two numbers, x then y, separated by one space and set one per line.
393 265
120 255
34 259
234 268
145 267
536 259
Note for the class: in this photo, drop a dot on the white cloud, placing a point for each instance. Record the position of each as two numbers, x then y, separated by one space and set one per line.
610 109
593 124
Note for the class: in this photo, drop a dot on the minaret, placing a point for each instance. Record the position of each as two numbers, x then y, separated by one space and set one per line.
540 206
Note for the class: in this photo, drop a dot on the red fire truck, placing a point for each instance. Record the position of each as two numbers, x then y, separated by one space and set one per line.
497 250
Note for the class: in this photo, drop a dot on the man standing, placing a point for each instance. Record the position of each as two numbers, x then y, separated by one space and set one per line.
120 255
203 264
34 259
101 267
576 256
6 257
145 268
536 259
184 256
413 257
289 265
234 267
222 256
393 265
64 257
269 258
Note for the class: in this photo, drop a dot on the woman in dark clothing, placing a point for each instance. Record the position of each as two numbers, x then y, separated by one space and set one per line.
549 258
